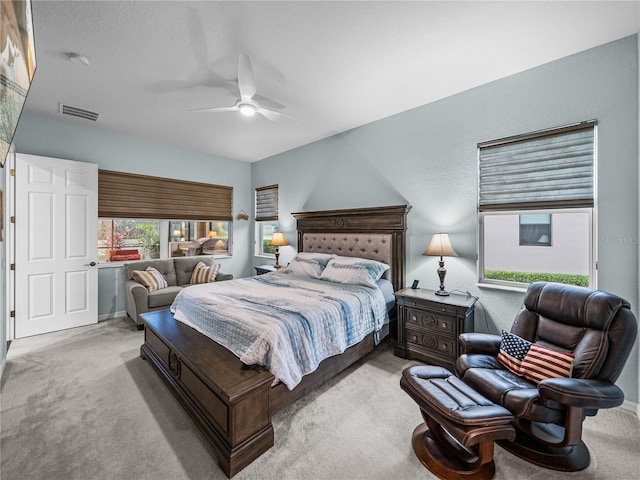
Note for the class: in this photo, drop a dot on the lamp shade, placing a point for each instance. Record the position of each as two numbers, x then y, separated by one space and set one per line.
278 240
440 246
212 234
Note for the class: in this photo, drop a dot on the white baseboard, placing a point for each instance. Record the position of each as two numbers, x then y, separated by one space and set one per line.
109 316
631 407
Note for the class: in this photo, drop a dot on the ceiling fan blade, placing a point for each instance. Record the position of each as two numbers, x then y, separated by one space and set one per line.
246 80
215 109
274 116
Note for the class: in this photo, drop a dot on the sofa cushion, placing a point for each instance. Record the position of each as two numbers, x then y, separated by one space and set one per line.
150 278
164 266
204 273
184 267
517 394
164 297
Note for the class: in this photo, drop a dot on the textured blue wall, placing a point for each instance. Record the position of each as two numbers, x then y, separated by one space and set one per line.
426 157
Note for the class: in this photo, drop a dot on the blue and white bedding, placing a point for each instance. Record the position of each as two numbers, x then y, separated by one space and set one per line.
285 322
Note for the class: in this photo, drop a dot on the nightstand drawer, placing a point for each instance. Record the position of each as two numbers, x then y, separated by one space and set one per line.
443 346
431 320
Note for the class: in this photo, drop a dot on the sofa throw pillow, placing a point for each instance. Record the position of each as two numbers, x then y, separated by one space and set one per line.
309 264
203 273
354 271
513 349
150 278
542 362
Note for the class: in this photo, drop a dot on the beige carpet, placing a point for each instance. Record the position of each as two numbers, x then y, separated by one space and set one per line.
81 404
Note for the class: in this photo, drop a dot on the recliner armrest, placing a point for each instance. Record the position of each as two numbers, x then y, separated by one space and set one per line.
482 343
582 393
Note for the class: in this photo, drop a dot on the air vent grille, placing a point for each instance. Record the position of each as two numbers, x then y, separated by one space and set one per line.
78 112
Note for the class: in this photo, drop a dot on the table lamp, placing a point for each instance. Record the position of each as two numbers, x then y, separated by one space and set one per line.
440 246
278 240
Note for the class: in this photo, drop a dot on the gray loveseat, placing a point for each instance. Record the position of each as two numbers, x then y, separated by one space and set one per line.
177 271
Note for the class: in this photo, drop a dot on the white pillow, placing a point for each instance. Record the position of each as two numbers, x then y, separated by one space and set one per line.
354 270
309 264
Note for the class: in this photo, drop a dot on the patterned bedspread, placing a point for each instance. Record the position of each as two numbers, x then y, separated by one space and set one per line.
284 322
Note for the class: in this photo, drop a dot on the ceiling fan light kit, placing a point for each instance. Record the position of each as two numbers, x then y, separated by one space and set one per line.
246 104
247 109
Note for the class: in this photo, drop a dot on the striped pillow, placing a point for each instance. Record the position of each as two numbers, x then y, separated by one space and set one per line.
150 278
202 273
354 270
309 264
541 362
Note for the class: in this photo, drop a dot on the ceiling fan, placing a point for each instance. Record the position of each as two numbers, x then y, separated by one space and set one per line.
246 104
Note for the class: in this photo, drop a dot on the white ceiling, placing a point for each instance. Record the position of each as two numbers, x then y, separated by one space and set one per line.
332 65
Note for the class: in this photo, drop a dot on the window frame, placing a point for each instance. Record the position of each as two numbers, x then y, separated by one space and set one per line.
525 243
266 207
164 239
538 208
260 239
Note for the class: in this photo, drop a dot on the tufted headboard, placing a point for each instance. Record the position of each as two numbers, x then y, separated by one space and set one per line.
377 233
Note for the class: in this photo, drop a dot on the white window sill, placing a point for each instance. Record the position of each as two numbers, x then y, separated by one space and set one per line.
509 288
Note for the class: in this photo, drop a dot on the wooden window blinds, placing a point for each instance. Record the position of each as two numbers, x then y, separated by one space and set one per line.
549 169
128 195
267 203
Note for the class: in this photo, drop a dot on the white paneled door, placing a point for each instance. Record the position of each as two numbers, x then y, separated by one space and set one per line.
56 244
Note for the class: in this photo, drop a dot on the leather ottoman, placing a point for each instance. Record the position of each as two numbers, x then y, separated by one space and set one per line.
456 440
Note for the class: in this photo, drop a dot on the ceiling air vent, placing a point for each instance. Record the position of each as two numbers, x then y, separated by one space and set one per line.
78 112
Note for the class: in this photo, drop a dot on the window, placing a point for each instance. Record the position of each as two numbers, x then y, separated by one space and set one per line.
137 217
537 190
266 218
198 238
535 229
133 239
127 239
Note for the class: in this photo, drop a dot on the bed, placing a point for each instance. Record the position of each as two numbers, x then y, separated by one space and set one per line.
232 403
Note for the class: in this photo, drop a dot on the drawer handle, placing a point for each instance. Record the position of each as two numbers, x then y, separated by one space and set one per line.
414 318
414 338
444 346
174 364
444 324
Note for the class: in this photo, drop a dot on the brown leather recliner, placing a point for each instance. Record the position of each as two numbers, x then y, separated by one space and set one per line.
598 328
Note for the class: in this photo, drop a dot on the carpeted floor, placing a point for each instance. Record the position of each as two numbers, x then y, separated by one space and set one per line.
81 404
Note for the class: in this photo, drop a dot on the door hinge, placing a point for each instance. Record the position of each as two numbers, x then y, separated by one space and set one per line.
13 266
13 219
12 172
12 313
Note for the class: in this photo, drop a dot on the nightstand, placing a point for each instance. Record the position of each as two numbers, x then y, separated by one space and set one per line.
429 325
262 269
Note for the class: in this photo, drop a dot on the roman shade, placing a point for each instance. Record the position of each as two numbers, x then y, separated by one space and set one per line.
128 195
267 203
548 169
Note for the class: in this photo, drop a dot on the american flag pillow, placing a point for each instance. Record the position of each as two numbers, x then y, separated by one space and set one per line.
513 350
541 362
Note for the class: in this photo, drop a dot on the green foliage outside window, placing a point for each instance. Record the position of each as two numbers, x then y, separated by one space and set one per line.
266 248
530 277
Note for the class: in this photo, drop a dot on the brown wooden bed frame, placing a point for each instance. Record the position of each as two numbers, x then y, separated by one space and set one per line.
232 403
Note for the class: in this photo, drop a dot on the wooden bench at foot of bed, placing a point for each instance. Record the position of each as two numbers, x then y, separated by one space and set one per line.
227 400
230 402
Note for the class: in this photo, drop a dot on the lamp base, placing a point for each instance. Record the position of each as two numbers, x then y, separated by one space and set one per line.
441 273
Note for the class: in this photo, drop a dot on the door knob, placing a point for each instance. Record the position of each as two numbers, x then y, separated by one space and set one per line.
92 264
